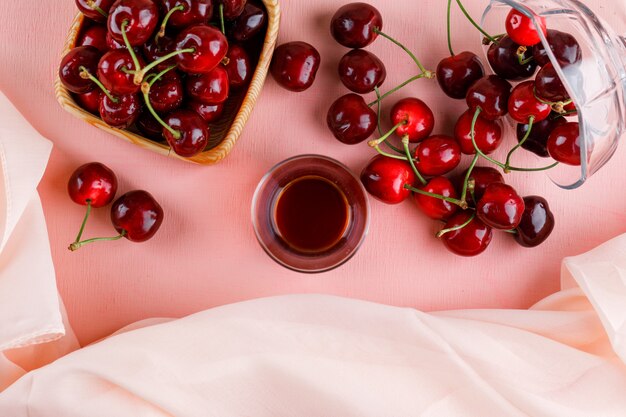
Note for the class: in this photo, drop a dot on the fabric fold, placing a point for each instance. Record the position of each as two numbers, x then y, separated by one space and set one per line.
316 355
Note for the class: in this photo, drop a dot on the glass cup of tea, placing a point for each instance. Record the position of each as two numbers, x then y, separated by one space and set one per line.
596 84
310 213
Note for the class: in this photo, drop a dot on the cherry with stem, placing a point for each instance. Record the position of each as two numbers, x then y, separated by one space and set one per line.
458 227
161 31
504 168
85 74
460 203
145 90
93 5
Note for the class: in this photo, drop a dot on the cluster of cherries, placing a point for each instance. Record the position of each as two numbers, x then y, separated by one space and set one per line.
135 215
480 201
166 67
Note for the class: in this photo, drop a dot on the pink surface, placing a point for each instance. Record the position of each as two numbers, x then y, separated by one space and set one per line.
206 253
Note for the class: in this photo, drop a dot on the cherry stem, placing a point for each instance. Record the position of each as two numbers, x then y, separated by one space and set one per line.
521 51
223 27
476 25
97 8
84 73
427 73
388 155
398 87
449 36
145 89
131 51
512 231
467 177
139 76
500 164
407 152
507 163
376 142
161 32
82 226
459 203
455 228
380 130
77 245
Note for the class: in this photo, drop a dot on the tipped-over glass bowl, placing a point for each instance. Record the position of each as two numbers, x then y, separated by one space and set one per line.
597 84
264 211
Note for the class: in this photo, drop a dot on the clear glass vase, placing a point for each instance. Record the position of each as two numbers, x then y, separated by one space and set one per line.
597 84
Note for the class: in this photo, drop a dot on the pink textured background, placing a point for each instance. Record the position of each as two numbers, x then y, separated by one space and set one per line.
206 253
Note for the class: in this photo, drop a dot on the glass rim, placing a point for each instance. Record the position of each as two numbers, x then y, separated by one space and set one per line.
255 200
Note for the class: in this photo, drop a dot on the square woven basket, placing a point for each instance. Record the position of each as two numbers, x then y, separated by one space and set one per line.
224 133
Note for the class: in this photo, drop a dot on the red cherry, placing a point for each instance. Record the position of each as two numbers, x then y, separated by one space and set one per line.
350 119
295 65
90 101
210 47
249 23
113 72
436 208
209 88
457 73
90 8
136 214
470 240
92 183
354 23
153 51
418 117
523 104
483 177
437 155
537 140
150 127
141 17
193 131
112 44
233 8
537 222
194 12
491 95
166 94
564 144
384 178
500 207
522 30
548 84
564 46
239 68
487 133
361 71
209 112
70 69
95 36
120 114
504 60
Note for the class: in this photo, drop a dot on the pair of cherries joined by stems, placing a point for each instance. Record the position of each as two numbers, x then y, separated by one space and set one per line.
161 66
481 201
135 215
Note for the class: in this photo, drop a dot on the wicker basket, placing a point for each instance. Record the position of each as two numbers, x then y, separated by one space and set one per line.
224 134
